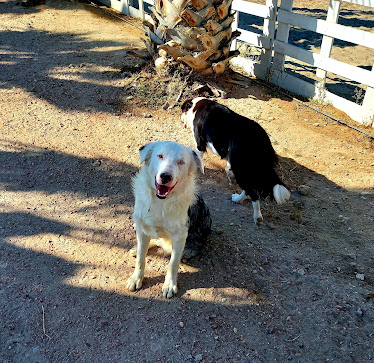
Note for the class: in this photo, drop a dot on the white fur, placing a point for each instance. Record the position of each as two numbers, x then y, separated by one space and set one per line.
237 198
281 193
189 116
257 215
163 218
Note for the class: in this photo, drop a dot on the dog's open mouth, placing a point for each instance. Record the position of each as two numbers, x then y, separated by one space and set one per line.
163 191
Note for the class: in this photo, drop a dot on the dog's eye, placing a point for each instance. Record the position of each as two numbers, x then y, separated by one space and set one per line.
180 162
160 156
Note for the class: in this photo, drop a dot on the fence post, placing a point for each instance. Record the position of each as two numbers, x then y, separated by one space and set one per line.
141 8
269 31
327 42
234 26
282 35
368 103
125 6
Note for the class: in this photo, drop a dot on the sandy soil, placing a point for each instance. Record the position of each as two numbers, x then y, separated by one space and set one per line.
297 288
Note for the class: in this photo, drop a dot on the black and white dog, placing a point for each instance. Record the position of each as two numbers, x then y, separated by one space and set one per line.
243 143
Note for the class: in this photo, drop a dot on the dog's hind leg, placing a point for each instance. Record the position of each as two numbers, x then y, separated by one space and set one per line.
170 285
229 173
136 279
257 215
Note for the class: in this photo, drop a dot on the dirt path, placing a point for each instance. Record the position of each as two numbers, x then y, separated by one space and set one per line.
298 288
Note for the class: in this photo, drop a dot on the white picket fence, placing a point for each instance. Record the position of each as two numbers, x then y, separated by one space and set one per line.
271 66
274 49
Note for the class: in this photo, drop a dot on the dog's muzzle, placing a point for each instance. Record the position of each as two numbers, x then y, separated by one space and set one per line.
163 191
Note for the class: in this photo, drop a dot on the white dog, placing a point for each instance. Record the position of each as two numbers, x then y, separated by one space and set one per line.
164 190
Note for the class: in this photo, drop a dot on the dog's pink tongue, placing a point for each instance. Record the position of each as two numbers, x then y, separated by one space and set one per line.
162 189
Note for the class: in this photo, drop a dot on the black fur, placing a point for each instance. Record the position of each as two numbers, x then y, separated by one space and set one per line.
200 224
242 141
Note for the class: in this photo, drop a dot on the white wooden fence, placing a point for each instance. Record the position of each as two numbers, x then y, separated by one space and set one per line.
274 49
271 66
128 7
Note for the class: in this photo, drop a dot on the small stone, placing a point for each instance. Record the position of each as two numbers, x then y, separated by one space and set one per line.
301 272
360 277
103 324
235 330
359 312
181 324
96 163
316 124
198 357
304 189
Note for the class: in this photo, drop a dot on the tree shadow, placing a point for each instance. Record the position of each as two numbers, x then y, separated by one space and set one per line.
29 168
15 7
65 68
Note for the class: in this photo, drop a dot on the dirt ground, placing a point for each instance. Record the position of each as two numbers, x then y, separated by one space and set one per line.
298 288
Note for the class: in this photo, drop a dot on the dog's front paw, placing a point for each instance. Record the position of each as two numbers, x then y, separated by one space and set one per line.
258 220
135 282
170 287
257 217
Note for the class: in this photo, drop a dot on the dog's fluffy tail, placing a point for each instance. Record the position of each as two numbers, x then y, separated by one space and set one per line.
281 193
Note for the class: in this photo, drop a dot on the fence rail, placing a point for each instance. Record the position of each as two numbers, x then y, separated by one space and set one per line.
273 43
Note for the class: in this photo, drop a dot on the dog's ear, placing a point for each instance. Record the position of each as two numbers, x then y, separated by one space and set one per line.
186 105
198 162
146 152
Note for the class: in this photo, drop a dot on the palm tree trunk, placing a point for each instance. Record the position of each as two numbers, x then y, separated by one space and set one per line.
195 32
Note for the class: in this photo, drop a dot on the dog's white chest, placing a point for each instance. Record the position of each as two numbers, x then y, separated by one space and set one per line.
159 219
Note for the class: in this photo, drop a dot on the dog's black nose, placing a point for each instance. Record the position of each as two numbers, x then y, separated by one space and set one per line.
165 178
